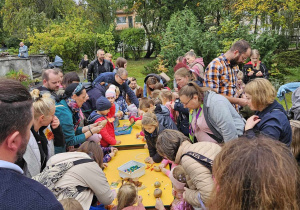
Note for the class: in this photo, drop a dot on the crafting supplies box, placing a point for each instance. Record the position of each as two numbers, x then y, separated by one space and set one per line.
135 174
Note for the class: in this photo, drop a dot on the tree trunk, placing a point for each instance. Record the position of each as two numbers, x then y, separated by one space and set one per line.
255 26
149 50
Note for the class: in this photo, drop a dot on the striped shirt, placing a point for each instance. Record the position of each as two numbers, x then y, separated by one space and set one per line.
221 77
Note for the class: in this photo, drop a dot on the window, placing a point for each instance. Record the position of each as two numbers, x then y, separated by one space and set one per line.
121 20
138 19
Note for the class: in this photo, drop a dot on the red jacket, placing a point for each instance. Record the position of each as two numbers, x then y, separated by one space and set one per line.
107 133
112 111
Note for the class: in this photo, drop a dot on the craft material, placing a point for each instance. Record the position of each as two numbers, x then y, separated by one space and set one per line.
157 193
132 169
157 184
157 168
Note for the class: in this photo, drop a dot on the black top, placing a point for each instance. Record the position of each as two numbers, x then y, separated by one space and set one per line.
84 63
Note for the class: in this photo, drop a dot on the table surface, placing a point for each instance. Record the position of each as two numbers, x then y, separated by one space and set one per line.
147 180
129 140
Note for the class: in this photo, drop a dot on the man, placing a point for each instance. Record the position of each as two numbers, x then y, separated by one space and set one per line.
99 66
18 191
23 51
51 82
135 88
118 79
220 74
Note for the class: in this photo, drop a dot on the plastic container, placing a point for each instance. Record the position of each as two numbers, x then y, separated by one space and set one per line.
123 130
136 174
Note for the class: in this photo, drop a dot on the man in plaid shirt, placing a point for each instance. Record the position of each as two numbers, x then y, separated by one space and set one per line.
220 74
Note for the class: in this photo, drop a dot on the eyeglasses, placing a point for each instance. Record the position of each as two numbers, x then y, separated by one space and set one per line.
187 102
124 80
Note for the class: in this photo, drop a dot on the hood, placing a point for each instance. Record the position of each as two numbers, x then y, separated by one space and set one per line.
67 157
161 109
198 60
93 117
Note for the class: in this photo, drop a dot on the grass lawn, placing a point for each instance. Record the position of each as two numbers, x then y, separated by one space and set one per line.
135 69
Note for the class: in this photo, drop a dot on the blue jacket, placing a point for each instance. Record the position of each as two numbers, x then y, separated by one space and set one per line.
23 52
19 192
109 77
90 105
65 116
274 123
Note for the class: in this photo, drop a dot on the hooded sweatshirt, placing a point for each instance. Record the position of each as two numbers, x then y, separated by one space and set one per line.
88 175
163 116
198 67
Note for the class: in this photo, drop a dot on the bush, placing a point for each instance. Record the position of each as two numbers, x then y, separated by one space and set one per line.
134 40
21 77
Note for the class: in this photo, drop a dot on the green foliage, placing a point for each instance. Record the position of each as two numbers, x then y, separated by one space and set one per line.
134 40
70 39
13 51
20 76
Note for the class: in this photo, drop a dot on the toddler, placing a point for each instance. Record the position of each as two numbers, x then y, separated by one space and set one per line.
240 86
128 196
123 107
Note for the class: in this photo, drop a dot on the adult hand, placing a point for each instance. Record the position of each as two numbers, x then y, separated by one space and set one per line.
251 122
242 102
96 129
140 199
55 122
250 73
159 204
259 74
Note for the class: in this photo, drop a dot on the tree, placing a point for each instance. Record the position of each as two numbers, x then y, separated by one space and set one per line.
134 39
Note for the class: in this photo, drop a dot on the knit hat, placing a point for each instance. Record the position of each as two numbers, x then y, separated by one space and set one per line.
113 87
110 93
102 104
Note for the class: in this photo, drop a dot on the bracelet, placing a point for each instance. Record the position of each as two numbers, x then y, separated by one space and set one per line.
90 129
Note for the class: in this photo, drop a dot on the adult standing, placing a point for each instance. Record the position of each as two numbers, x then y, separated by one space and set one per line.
23 51
196 65
18 191
221 73
84 63
68 111
214 118
254 68
51 82
118 79
99 66
174 146
270 117
135 88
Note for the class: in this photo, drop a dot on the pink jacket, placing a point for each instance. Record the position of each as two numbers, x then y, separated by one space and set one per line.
139 207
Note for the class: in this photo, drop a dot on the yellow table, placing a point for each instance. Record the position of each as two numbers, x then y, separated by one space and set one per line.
130 141
147 180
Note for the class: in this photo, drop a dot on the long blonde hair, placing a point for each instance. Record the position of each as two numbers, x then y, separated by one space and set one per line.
256 52
42 104
127 196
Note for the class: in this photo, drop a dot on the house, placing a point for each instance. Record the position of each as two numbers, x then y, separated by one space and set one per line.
127 20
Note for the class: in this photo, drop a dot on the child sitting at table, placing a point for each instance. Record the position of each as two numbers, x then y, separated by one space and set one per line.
103 106
151 129
127 197
178 179
166 98
123 107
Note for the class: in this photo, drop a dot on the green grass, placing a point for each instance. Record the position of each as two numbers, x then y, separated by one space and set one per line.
135 69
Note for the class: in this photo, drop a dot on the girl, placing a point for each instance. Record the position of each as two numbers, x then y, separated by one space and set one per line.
151 129
214 119
196 65
150 81
166 99
128 196
270 117
123 107
178 178
254 68
120 63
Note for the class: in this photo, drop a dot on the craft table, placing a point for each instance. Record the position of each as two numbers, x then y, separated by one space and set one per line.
130 141
147 180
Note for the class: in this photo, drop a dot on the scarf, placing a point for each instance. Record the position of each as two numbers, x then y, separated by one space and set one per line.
77 113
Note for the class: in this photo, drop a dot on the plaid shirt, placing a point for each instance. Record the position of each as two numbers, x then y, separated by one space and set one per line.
221 77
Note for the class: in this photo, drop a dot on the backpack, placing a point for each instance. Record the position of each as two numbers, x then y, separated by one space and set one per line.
206 162
52 174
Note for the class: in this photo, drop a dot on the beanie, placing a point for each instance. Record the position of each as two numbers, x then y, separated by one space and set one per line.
102 104
110 93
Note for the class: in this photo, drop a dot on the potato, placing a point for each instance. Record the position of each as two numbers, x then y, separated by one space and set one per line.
157 193
157 184
156 168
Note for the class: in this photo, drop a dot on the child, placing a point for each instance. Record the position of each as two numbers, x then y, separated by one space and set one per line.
128 196
151 129
240 86
166 98
121 102
178 178
295 146
114 113
71 204
103 106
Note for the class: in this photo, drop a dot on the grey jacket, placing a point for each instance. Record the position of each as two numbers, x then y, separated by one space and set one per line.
220 113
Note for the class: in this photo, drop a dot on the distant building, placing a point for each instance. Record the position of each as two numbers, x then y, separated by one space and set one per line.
127 20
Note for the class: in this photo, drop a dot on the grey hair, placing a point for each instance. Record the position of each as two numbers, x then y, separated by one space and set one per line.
122 71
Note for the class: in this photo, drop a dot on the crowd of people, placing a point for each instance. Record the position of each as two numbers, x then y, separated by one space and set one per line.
57 139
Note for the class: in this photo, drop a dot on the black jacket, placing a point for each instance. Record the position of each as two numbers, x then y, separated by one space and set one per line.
183 118
94 69
249 67
151 139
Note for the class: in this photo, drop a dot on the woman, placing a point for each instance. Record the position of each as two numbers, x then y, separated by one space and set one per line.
270 117
150 81
120 63
195 64
44 135
214 118
254 68
84 66
174 146
70 115
255 174
83 181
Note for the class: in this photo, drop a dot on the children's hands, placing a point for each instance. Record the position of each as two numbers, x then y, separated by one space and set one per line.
112 154
55 122
137 135
250 73
149 160
105 165
259 74
140 199
159 204
118 142
161 166
115 150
